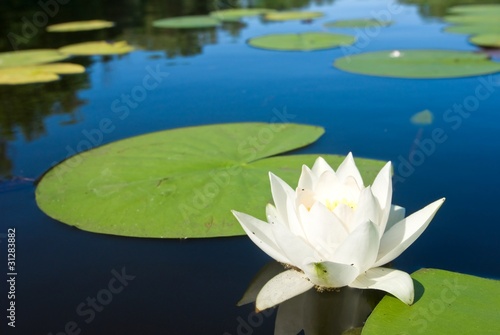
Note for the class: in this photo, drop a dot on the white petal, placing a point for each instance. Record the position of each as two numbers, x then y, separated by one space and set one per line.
282 287
395 282
295 248
327 187
396 214
360 247
382 191
331 274
405 232
307 179
348 168
323 229
260 233
281 192
293 223
320 166
367 210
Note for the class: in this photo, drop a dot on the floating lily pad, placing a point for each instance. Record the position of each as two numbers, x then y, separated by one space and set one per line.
472 29
97 48
357 23
187 22
292 15
37 73
445 303
423 118
79 26
486 40
235 14
179 183
472 19
419 64
30 57
476 9
301 41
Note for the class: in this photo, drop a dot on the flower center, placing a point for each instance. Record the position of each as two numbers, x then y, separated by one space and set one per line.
331 205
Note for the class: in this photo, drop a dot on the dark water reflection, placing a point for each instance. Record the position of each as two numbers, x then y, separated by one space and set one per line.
192 287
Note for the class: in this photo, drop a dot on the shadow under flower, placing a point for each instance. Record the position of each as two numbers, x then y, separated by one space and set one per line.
330 312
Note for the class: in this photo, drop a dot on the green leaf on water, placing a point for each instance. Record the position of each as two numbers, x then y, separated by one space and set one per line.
188 22
484 9
292 15
486 40
235 14
472 29
423 118
180 183
357 23
419 64
301 41
43 73
97 48
79 26
445 303
473 19
30 57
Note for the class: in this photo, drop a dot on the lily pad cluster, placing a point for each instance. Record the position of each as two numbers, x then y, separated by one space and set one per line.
301 41
179 183
97 48
481 21
34 66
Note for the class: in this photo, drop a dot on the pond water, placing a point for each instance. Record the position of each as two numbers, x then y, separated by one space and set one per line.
213 76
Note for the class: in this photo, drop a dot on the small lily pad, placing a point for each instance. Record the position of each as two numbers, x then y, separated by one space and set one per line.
235 14
292 15
30 57
445 303
422 118
473 29
418 64
472 19
79 26
357 23
97 48
187 22
301 42
485 9
486 40
179 183
37 73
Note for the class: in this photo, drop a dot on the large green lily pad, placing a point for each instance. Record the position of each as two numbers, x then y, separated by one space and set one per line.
97 48
486 40
43 73
235 14
79 26
179 183
445 303
419 64
30 57
357 23
187 22
472 29
485 9
292 15
301 41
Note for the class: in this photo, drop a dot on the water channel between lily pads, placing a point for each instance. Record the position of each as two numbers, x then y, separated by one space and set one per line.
181 78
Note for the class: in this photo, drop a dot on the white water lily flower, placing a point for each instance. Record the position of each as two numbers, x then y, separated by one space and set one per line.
333 232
